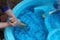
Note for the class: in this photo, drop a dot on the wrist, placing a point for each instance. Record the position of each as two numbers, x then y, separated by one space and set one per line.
8 24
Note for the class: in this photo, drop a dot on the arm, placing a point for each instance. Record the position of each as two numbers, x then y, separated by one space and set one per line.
4 24
10 13
6 9
4 5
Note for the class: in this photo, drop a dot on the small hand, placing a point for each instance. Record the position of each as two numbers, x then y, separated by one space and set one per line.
13 21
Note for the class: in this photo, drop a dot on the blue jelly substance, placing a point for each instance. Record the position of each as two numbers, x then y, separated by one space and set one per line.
35 29
53 20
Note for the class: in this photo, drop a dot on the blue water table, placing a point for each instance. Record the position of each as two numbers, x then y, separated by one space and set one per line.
33 13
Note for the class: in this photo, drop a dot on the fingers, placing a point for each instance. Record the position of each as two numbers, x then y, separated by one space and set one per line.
21 24
12 21
13 24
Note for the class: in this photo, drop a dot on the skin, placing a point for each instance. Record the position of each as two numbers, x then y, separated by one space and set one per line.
12 19
6 24
9 13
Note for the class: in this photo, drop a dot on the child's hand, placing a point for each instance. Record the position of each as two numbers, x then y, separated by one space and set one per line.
13 21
